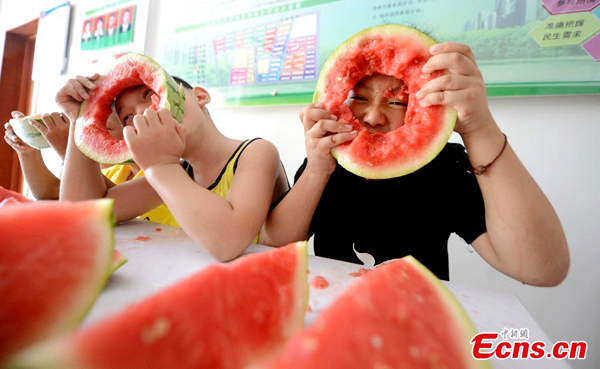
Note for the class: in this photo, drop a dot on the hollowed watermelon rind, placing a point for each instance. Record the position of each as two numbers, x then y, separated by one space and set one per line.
28 133
397 51
91 134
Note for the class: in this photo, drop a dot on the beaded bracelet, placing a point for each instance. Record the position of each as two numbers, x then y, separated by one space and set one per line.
483 168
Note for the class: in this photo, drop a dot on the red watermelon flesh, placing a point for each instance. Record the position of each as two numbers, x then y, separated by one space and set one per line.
8 194
50 277
396 316
391 50
225 316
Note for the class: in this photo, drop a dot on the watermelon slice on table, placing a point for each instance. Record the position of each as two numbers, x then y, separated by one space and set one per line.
50 277
92 136
225 316
399 315
391 50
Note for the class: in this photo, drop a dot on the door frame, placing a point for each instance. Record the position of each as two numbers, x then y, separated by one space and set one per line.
17 90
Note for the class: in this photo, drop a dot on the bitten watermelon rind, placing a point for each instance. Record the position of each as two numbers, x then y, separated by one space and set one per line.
112 151
366 171
342 153
28 133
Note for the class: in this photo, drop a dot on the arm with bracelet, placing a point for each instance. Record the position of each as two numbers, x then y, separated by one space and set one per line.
524 237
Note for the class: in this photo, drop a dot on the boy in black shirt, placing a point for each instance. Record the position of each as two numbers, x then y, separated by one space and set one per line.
502 212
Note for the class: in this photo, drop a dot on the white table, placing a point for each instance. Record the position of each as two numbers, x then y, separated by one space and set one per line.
160 255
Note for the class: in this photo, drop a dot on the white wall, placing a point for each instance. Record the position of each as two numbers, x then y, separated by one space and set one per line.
557 138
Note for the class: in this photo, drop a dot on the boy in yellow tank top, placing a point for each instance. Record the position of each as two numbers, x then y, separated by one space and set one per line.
221 199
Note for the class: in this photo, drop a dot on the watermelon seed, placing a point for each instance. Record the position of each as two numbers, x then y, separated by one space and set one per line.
376 342
414 351
419 299
158 330
310 344
402 315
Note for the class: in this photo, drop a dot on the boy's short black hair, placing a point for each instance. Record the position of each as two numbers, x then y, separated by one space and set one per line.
186 85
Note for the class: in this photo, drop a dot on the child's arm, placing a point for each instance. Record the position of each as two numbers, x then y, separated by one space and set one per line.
291 218
524 238
225 227
82 178
42 183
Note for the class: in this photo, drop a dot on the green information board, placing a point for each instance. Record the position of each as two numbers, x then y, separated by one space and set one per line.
270 52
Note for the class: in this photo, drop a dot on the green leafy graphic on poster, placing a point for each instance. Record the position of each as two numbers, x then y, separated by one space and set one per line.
271 51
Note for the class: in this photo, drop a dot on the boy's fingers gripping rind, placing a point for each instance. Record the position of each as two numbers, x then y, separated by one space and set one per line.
77 90
87 82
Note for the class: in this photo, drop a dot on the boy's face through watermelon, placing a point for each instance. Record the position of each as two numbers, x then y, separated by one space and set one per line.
379 103
136 99
131 101
114 127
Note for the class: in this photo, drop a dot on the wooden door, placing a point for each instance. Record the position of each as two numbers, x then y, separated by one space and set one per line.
17 92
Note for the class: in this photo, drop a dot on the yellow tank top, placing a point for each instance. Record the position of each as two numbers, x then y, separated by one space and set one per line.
161 214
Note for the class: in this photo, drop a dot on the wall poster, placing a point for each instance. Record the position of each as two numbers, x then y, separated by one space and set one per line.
250 52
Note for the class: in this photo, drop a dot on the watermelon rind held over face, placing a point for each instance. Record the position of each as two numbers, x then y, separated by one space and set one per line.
224 316
55 261
91 135
28 133
389 50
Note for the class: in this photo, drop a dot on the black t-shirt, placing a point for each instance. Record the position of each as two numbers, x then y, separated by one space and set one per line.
409 215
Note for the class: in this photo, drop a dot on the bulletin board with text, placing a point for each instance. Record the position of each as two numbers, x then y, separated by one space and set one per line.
265 52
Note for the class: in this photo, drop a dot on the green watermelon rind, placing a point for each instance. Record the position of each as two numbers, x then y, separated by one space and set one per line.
346 160
174 101
461 318
117 264
105 208
302 296
28 133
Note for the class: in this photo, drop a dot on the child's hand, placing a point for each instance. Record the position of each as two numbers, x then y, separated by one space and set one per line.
462 88
157 138
322 132
15 142
55 130
70 96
